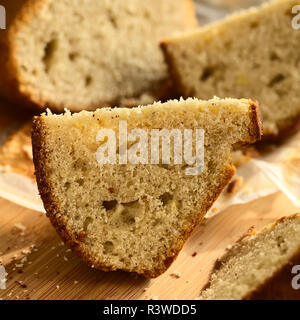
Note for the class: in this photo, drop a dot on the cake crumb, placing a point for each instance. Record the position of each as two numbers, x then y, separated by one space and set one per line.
229 247
26 251
20 265
21 284
194 254
176 275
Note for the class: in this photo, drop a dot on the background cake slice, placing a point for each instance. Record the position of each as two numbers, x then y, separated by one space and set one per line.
135 217
253 54
260 266
104 51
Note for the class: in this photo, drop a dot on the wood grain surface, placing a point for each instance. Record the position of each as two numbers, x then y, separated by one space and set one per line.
51 271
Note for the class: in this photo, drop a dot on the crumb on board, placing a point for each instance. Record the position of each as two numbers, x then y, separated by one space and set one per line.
21 284
194 254
19 265
26 251
175 275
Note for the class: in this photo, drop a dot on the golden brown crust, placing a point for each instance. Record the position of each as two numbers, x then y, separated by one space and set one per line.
172 67
257 131
287 129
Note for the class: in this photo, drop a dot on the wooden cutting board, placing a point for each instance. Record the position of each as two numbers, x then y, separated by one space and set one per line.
51 271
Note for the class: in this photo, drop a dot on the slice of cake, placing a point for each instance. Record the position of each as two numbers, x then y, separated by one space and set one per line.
105 51
118 194
254 54
260 266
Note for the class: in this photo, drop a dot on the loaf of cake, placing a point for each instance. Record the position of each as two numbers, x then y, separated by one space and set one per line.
136 215
104 51
262 265
252 54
